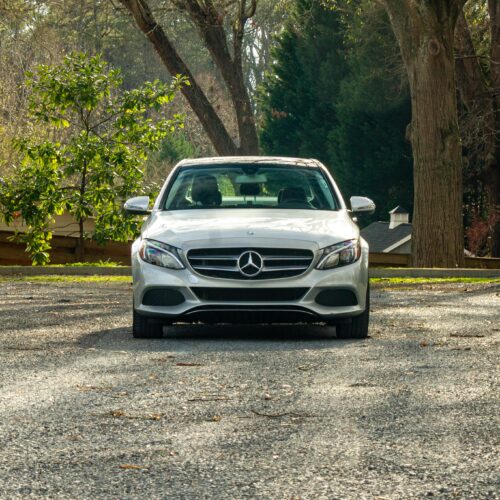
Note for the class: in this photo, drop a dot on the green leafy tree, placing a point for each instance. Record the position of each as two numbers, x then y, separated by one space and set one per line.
97 138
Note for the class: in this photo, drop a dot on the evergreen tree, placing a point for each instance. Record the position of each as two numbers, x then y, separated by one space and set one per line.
335 93
368 150
298 95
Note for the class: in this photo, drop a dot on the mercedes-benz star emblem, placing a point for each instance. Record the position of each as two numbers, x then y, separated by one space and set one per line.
250 264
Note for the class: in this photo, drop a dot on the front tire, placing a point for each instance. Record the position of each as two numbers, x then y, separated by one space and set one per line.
146 328
357 328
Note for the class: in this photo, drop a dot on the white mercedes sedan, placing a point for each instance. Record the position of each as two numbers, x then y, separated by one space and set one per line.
250 239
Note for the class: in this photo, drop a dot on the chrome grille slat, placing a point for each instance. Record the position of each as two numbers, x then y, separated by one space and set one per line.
276 262
215 268
289 268
215 257
280 257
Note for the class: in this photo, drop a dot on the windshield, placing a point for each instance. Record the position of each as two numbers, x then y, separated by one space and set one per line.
250 186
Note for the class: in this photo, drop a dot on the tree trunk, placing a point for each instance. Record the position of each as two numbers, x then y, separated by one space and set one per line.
80 248
249 141
471 82
425 35
482 102
210 23
493 171
211 122
437 239
493 191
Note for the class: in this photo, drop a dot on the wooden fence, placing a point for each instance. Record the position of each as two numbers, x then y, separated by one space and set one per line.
64 252
403 260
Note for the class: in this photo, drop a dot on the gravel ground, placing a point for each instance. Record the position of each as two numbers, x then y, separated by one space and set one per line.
233 412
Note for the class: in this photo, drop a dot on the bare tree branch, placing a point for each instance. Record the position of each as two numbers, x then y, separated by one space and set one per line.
198 101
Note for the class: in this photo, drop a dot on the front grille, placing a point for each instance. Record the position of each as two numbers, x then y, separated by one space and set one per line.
249 294
276 262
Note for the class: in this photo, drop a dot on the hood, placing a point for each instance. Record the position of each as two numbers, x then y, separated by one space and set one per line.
312 229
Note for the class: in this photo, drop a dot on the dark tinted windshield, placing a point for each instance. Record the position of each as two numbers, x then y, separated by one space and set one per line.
250 186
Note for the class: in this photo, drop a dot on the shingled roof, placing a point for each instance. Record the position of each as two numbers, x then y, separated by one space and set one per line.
399 210
381 238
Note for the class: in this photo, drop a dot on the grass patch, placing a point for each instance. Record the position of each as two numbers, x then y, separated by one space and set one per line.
68 279
100 263
430 281
128 279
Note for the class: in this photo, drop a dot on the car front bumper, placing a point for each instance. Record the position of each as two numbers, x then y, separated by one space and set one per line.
347 281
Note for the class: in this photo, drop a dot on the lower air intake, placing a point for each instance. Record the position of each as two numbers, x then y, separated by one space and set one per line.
249 294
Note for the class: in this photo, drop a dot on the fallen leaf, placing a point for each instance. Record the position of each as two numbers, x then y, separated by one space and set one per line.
164 359
465 336
271 415
216 418
209 397
439 344
92 388
131 466
306 368
423 343
117 413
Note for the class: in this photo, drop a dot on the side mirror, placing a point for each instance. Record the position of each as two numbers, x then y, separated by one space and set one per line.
137 205
361 205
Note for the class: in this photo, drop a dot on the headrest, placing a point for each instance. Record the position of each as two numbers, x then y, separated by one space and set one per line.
249 189
205 190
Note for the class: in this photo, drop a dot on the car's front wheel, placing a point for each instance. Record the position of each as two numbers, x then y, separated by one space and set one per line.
146 328
357 328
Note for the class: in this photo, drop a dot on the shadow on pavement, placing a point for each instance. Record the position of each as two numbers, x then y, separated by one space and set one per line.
222 338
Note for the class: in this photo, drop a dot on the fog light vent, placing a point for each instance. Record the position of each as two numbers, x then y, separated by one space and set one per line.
163 297
336 297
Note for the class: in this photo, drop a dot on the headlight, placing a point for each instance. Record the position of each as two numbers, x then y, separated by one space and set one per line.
160 254
340 254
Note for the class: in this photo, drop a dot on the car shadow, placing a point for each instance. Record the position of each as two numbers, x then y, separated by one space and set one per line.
224 337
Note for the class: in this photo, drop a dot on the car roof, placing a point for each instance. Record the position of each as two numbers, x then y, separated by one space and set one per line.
249 160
